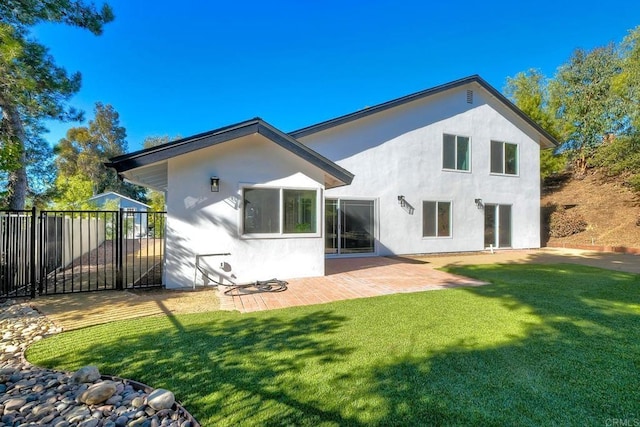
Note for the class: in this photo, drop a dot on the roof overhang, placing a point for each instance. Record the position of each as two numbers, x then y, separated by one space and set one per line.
148 167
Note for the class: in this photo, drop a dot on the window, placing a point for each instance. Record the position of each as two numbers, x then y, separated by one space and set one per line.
436 219
261 210
299 211
504 158
276 211
455 152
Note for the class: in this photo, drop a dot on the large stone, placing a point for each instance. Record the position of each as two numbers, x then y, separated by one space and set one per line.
14 404
161 399
137 401
87 374
98 393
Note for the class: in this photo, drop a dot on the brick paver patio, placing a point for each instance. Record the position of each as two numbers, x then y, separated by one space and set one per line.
349 278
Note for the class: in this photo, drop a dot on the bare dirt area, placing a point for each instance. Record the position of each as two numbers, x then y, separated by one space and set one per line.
610 209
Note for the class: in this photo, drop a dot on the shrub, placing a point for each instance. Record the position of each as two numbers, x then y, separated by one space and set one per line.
552 164
565 223
634 182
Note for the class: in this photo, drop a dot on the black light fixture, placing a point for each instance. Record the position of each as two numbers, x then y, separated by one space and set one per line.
402 201
479 203
215 184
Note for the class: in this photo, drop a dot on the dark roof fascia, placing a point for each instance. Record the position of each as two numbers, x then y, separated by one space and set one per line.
309 130
166 151
163 152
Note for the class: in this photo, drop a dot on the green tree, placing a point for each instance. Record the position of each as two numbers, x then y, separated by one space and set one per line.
84 150
32 86
529 91
627 83
73 193
41 173
582 98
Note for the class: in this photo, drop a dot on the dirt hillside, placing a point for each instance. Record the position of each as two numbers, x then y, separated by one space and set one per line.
610 209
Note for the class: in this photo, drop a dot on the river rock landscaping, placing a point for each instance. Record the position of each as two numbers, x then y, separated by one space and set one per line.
34 396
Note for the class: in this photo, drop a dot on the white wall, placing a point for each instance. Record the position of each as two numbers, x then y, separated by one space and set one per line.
399 152
202 222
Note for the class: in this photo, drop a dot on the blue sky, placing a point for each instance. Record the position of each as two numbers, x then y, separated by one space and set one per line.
180 68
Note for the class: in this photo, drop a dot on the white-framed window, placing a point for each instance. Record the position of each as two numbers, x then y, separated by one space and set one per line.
436 219
456 152
269 211
504 158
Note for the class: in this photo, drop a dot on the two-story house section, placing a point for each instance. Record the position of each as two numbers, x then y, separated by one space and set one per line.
449 169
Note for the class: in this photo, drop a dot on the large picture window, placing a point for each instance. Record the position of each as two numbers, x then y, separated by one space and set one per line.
279 211
436 219
456 154
504 158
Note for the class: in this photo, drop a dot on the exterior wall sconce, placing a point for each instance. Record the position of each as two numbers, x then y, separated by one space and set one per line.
479 203
215 184
402 201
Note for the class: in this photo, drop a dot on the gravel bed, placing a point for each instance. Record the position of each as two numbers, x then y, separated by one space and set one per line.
33 396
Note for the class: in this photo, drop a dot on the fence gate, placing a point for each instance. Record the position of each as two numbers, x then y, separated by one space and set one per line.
57 252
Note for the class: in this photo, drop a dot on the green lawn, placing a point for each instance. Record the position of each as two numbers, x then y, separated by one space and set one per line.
552 344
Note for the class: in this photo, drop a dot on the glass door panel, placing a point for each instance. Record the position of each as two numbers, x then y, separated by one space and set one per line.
357 226
504 226
349 226
331 227
489 225
497 226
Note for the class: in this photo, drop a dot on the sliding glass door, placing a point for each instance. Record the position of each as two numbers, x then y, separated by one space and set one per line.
497 226
350 226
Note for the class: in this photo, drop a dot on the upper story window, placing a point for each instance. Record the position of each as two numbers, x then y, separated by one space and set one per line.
277 211
456 152
504 158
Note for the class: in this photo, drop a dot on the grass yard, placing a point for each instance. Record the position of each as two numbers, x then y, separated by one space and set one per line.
543 344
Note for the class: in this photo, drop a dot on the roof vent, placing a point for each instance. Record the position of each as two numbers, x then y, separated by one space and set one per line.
469 97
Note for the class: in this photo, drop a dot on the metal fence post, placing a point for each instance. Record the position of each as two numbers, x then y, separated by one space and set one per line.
119 241
32 253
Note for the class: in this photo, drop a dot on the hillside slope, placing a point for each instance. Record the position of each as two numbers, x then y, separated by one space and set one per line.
610 209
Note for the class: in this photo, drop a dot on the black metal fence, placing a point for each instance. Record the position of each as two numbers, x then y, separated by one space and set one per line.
57 252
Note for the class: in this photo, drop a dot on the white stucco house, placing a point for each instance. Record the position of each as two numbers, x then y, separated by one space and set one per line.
450 169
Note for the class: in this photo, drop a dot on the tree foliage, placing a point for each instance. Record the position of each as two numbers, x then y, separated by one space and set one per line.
591 105
32 86
528 90
73 193
627 83
84 150
582 97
